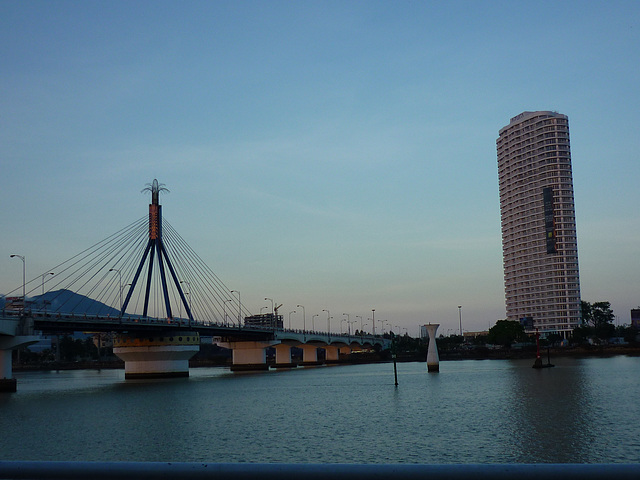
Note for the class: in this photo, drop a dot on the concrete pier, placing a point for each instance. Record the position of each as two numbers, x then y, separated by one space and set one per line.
9 341
163 355
310 355
283 356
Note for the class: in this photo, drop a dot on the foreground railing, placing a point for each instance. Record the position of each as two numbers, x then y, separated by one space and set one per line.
284 471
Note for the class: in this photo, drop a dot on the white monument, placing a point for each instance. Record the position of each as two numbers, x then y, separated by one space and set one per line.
433 361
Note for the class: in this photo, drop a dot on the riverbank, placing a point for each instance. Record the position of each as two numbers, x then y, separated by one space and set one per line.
461 354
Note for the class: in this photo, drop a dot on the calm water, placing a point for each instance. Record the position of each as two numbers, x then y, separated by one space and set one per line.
581 411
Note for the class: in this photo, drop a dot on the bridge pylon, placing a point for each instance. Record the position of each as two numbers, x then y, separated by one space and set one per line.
165 353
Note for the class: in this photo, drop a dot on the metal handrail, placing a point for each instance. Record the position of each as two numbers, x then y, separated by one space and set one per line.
282 471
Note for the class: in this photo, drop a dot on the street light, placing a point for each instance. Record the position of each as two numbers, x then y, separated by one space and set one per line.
313 325
304 323
328 321
293 311
189 301
24 279
273 318
373 313
348 324
239 307
224 309
460 316
44 275
361 325
120 285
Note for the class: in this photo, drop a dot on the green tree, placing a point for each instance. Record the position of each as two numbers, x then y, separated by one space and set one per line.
597 321
505 332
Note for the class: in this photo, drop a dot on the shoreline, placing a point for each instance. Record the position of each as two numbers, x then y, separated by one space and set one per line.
477 354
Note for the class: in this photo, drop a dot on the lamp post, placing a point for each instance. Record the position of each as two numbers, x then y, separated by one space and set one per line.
224 310
460 317
361 324
328 319
328 323
44 302
24 279
189 301
292 311
313 324
304 324
119 285
239 307
373 321
273 316
348 324
44 275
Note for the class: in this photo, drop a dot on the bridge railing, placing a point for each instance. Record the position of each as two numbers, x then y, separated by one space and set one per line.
283 471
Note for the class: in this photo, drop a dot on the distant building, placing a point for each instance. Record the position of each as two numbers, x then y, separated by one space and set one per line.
266 320
635 317
539 242
470 336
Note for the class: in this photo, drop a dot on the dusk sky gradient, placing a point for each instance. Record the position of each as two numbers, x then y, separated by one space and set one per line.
335 154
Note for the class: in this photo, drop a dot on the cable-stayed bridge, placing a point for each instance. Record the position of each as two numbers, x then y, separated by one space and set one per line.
149 287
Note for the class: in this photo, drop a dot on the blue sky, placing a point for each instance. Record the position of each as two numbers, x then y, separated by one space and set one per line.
339 155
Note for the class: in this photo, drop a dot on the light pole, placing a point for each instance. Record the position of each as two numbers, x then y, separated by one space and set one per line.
304 323
373 322
239 306
328 322
348 324
292 311
328 319
189 302
460 317
119 286
273 316
44 275
24 280
313 324
224 309
361 324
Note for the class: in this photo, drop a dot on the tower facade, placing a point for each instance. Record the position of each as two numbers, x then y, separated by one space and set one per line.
539 242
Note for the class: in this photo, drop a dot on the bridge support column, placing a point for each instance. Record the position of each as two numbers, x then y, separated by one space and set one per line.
164 355
7 345
248 356
345 350
332 354
283 356
310 355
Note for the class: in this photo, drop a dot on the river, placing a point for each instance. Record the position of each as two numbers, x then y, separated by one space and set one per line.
498 411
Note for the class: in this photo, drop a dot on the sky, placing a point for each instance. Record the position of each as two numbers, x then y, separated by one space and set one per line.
335 154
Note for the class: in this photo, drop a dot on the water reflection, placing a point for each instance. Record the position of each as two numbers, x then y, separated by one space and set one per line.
470 412
551 412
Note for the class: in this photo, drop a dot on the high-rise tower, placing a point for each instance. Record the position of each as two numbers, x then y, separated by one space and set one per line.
539 243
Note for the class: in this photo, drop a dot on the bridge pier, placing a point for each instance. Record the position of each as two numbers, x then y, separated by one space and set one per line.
332 354
10 340
248 356
283 356
7 345
165 354
309 355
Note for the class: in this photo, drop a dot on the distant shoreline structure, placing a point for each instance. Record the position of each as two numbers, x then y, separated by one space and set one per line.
557 353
